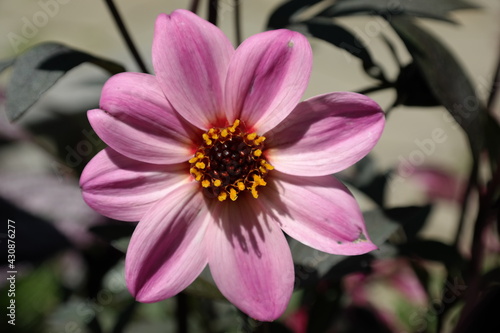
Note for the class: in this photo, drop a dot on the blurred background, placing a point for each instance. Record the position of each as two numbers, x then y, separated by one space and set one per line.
69 259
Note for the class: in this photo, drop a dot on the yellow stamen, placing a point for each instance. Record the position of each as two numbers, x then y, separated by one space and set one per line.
200 165
236 123
257 152
251 136
259 140
241 186
194 159
222 196
205 183
224 133
217 182
233 194
266 165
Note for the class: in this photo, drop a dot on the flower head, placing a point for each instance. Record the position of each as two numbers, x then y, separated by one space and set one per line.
215 156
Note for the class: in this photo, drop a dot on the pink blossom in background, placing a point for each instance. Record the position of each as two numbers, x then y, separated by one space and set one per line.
393 274
439 184
215 155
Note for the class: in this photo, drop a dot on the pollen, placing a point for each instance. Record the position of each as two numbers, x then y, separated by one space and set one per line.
229 162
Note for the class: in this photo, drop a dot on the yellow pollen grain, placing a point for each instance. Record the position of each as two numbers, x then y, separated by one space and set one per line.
222 196
224 133
255 194
241 186
259 140
198 177
257 152
233 194
205 183
236 123
217 182
199 155
200 165
193 159
251 136
266 165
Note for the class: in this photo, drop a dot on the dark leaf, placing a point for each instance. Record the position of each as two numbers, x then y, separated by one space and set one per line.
276 327
39 68
35 238
493 142
376 188
323 310
4 64
412 89
112 232
125 317
446 78
281 16
364 320
347 41
411 218
389 8
483 316
434 251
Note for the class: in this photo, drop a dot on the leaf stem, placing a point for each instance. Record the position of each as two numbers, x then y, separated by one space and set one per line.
126 36
494 87
182 313
213 6
194 6
237 21
375 88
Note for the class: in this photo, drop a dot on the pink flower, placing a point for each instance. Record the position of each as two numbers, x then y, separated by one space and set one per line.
215 156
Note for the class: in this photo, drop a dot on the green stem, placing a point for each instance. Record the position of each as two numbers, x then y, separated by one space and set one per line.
237 21
194 6
213 7
126 36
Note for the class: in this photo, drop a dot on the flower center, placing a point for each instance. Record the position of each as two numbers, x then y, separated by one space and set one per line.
230 161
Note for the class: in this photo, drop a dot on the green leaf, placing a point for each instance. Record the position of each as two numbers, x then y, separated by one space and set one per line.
39 68
111 232
412 88
411 218
345 40
433 9
435 251
281 16
446 79
4 64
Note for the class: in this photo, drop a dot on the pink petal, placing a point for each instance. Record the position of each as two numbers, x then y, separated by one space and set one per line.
137 121
124 189
317 211
267 77
166 252
190 58
325 134
250 260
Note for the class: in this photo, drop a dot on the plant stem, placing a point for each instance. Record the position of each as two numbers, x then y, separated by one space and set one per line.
213 6
237 21
494 87
182 313
464 204
374 88
194 6
126 36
